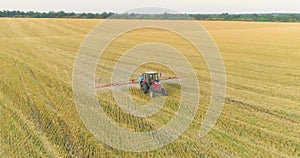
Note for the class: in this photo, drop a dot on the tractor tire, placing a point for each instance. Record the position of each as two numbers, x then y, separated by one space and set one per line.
164 92
152 93
144 88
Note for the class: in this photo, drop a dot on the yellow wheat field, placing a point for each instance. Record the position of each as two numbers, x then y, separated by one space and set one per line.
260 118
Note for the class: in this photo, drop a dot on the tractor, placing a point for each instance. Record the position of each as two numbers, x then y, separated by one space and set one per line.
149 83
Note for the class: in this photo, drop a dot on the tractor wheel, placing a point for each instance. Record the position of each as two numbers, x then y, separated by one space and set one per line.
144 88
164 92
152 93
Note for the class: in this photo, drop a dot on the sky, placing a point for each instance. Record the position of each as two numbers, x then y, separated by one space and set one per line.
182 6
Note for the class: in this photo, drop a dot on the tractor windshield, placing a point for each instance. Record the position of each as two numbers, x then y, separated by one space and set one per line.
153 77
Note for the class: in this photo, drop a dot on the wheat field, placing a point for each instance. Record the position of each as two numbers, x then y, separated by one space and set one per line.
260 117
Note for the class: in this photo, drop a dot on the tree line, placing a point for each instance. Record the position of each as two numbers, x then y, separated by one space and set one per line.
52 14
272 17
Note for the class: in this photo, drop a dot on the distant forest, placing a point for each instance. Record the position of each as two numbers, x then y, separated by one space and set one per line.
272 17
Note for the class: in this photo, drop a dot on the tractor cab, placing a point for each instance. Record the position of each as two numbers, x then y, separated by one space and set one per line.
151 77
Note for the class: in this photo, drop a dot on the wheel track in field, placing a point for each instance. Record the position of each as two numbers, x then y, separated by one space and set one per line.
46 101
51 149
247 141
3 147
49 105
15 46
250 142
259 109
